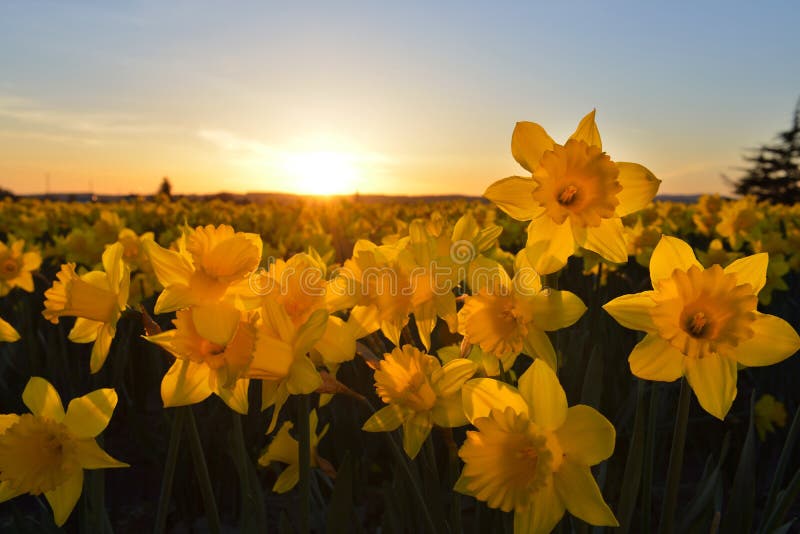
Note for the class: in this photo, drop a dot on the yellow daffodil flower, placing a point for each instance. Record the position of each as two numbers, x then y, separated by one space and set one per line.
47 450
284 449
740 221
532 454
575 196
716 254
508 316
280 357
7 332
487 364
420 393
214 347
214 262
702 323
16 266
769 413
96 298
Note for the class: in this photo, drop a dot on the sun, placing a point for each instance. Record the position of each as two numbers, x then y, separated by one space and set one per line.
322 172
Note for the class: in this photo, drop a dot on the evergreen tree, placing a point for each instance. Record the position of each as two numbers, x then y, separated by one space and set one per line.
165 189
774 172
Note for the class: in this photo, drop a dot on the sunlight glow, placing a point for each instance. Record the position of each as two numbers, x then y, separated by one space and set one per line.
322 172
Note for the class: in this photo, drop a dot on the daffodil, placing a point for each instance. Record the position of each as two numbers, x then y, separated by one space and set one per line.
96 298
280 356
716 254
487 364
420 393
7 332
284 449
769 413
508 316
47 450
212 263
575 196
531 454
16 266
213 347
740 221
702 323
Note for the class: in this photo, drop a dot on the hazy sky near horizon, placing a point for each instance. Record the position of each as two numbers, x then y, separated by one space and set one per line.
398 98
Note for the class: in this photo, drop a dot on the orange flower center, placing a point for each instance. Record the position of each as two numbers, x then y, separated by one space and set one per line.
567 196
697 324
9 268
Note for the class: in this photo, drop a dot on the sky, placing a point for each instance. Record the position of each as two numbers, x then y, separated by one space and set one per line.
380 97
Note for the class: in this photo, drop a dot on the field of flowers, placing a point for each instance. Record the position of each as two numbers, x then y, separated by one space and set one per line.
570 356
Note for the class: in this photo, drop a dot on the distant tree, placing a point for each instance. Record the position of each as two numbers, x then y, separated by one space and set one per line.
5 193
165 189
774 172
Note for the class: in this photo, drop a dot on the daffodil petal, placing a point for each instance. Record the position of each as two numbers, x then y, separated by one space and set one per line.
578 489
337 344
415 431
513 196
528 142
542 514
236 396
538 345
6 420
552 310
633 311
587 131
482 395
303 377
671 253
8 492
101 347
656 359
639 187
713 379
549 245
310 332
608 240
287 479
42 399
113 265
85 330
586 437
7 332
547 402
750 270
773 341
448 412
185 383
386 419
452 377
175 297
91 456
89 415
170 267
63 498
276 321
216 323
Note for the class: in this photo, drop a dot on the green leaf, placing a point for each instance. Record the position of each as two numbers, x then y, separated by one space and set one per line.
783 462
739 514
340 506
633 465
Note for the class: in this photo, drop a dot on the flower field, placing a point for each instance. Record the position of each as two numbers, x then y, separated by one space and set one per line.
570 355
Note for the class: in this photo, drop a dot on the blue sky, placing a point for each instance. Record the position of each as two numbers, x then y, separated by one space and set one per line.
379 97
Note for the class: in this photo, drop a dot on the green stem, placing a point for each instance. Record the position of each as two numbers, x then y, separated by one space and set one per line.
649 454
304 444
201 469
169 471
676 460
251 489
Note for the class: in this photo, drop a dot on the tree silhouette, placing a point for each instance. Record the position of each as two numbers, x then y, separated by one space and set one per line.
774 172
165 189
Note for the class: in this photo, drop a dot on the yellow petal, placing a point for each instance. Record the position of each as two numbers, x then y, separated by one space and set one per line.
7 332
481 395
415 431
42 399
751 270
633 311
547 402
671 253
364 320
6 420
542 514
773 341
310 332
386 419
63 498
448 412
185 383
587 131
170 267
549 245
85 330
639 187
272 358
235 397
276 321
608 240
89 415
552 310
287 479
656 359
528 142
101 347
113 264
513 196
173 298
577 488
586 437
538 345
337 344
7 491
452 377
216 323
91 456
303 377
713 379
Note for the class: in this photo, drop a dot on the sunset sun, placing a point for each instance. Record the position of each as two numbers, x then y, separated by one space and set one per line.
322 172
